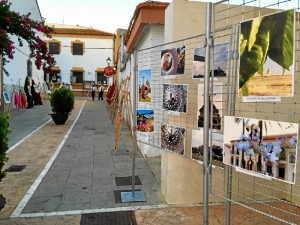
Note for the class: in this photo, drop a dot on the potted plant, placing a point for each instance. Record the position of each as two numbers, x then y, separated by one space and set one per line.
62 103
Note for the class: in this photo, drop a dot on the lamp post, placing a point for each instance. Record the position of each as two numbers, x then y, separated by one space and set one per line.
108 71
108 60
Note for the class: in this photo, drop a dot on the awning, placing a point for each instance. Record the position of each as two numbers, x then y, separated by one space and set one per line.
99 69
77 69
55 68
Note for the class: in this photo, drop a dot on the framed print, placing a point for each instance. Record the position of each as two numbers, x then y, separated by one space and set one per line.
267 50
145 120
220 57
217 106
172 61
173 138
197 146
6 97
144 81
264 147
175 97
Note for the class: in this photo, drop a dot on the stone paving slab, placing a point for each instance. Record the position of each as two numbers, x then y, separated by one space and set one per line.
61 184
88 170
193 216
35 153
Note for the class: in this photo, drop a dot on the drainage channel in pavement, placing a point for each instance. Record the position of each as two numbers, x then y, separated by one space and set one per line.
109 218
16 168
125 181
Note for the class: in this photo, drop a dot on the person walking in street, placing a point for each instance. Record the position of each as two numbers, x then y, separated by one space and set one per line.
93 90
101 91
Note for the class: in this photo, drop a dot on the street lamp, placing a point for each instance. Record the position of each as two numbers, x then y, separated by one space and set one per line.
108 71
108 60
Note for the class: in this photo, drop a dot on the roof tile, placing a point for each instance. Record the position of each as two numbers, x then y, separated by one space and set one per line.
78 31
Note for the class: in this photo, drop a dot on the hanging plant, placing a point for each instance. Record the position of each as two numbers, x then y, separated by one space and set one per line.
12 23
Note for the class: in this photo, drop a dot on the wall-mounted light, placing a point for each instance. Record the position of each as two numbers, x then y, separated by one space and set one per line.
108 71
108 61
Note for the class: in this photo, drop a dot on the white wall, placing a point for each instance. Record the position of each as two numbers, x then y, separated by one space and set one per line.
184 19
94 56
151 36
17 67
25 6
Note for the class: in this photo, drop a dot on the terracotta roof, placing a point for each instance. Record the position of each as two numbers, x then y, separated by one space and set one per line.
148 4
77 30
81 32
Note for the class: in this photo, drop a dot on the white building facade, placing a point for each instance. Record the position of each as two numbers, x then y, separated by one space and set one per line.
18 66
80 54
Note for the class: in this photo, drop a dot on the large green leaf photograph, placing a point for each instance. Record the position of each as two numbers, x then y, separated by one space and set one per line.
267 55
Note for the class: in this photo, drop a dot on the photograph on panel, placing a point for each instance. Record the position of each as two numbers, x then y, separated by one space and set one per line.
217 106
216 147
144 82
175 97
220 59
145 120
173 138
172 61
267 55
265 147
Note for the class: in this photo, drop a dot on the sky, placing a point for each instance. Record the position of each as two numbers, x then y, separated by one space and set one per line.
144 75
105 15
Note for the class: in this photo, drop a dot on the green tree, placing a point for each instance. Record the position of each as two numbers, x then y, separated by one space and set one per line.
4 124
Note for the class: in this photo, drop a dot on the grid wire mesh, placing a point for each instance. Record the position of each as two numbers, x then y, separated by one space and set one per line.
272 198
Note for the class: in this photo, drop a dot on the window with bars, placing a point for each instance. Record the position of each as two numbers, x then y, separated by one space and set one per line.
77 48
54 48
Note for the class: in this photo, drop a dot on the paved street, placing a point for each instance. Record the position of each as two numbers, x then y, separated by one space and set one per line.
71 168
83 174
70 175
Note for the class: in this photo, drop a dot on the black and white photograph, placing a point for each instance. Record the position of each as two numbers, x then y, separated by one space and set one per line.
175 97
172 138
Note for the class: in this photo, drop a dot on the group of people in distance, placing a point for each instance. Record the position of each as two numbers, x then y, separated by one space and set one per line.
100 91
67 85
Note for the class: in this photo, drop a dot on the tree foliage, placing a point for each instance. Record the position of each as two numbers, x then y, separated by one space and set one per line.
4 124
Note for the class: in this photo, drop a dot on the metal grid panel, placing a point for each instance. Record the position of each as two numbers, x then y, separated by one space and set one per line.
151 59
272 198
